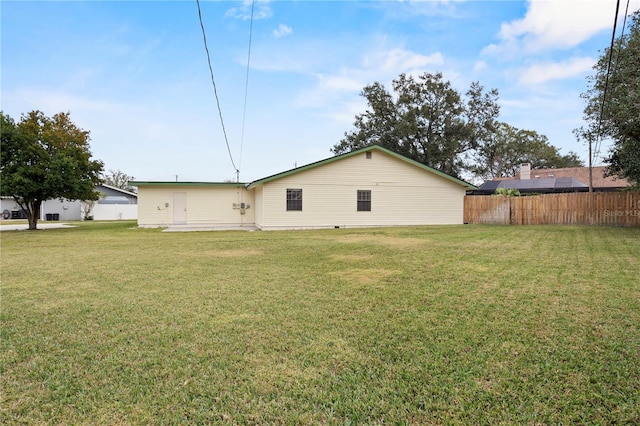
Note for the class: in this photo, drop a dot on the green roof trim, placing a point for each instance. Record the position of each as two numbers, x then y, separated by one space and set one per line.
307 167
170 183
356 152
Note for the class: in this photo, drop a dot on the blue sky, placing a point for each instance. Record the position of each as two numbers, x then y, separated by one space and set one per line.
135 74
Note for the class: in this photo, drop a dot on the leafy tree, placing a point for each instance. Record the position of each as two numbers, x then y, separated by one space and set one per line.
620 111
501 153
42 158
426 120
118 179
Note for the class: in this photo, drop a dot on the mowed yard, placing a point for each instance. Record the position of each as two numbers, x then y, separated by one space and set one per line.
108 324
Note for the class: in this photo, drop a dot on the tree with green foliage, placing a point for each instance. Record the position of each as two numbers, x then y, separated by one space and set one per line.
43 158
502 152
118 179
616 113
426 120
429 121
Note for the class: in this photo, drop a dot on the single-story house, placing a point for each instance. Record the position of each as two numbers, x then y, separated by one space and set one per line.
115 204
369 187
600 182
58 209
545 181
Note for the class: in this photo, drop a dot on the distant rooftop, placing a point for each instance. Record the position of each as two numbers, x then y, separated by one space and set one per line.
581 174
535 185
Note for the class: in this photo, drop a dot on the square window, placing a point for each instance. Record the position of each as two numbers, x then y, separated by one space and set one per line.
368 155
364 200
294 199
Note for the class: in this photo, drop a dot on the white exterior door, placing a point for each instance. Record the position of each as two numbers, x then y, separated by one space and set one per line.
179 208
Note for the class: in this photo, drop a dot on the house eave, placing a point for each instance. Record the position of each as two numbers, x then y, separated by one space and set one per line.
115 188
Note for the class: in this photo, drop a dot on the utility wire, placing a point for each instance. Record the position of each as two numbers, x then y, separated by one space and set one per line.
606 83
215 90
246 83
617 62
624 25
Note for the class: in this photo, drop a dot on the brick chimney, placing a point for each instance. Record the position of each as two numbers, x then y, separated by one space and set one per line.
525 171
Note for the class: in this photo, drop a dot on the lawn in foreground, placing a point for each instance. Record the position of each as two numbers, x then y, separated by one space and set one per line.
106 324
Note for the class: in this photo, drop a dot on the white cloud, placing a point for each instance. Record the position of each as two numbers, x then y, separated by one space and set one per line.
479 66
261 10
398 60
53 101
380 65
347 81
299 56
374 61
541 73
345 112
556 24
338 92
282 30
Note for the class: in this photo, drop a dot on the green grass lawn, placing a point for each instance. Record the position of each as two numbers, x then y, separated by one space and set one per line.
108 324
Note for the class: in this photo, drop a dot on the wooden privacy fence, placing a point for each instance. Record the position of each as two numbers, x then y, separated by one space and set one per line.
577 208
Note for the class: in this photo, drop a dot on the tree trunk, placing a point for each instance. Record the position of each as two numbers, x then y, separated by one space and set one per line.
33 223
33 213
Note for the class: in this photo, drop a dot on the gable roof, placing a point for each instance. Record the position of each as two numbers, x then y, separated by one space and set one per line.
120 190
353 153
104 185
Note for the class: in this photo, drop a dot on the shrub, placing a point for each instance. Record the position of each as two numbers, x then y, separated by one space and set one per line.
512 192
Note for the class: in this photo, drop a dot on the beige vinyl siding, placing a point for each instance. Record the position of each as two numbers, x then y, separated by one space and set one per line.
152 210
204 205
258 208
401 194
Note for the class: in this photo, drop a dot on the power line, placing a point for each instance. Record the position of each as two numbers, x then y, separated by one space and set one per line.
246 83
624 25
215 90
617 62
606 81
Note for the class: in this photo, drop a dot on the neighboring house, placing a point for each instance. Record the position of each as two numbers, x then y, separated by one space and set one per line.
116 204
368 187
58 209
543 181
535 186
7 207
